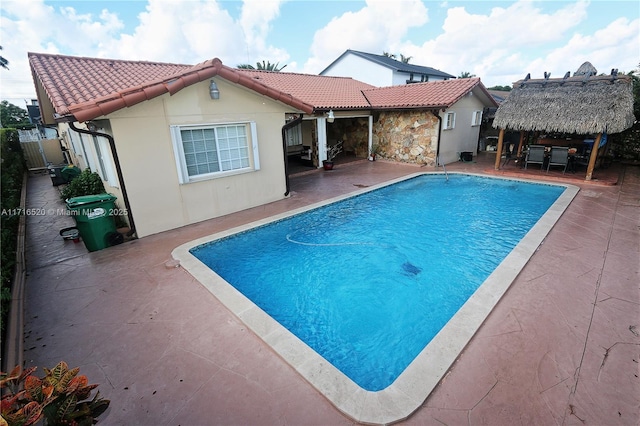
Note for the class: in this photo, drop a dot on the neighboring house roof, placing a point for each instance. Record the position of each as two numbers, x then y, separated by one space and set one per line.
436 95
82 89
582 104
392 64
499 95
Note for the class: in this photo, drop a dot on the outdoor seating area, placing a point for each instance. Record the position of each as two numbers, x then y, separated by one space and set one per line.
572 156
536 154
558 156
606 174
549 156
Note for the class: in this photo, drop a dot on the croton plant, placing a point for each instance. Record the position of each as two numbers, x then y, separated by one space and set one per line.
61 397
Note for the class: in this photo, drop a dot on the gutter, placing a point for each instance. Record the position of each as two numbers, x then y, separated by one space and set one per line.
114 153
286 127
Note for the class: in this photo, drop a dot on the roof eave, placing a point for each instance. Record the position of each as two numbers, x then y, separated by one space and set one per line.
104 106
410 107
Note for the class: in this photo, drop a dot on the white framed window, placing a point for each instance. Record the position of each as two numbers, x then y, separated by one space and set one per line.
294 136
449 120
89 158
106 169
71 143
476 119
213 150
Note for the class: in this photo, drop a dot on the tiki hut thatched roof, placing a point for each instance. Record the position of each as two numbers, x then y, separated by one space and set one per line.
582 104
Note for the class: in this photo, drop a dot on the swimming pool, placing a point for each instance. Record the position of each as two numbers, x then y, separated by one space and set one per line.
319 238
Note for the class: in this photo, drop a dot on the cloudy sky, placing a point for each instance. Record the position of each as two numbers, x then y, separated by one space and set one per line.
499 41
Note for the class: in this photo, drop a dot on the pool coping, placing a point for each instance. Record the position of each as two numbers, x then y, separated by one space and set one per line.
412 387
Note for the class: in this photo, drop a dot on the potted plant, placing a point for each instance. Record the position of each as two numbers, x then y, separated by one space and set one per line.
332 152
373 152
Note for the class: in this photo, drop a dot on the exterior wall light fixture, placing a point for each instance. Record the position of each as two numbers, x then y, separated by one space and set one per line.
213 90
330 116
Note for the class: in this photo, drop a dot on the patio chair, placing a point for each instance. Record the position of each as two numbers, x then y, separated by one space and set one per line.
535 156
508 154
559 157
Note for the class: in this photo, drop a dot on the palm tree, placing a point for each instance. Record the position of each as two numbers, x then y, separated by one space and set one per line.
264 66
403 59
466 74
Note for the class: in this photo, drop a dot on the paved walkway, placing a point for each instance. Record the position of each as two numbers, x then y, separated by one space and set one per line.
561 347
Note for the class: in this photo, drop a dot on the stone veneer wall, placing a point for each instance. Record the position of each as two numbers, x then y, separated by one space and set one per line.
407 136
353 132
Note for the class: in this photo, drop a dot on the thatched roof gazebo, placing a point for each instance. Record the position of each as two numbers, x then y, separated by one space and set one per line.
584 104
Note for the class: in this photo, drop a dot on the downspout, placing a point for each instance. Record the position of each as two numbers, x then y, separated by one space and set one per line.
437 114
114 154
286 127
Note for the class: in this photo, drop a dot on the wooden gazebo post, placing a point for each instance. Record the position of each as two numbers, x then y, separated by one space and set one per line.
520 143
593 156
499 150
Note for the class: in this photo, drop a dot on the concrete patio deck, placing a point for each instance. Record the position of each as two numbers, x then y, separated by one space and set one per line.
561 347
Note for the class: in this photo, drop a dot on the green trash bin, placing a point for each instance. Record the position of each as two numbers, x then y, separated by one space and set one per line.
69 173
94 221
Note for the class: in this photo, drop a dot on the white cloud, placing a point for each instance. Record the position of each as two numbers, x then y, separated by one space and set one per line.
500 45
32 26
485 44
377 27
255 20
615 46
179 33
18 37
507 43
199 30
82 32
167 31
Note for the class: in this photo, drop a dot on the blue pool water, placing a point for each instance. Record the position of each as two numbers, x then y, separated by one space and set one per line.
367 282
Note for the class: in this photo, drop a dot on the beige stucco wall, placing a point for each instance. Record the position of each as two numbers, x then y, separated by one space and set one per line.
464 137
79 159
143 140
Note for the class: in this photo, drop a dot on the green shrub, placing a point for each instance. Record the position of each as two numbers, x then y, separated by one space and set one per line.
86 183
11 177
626 145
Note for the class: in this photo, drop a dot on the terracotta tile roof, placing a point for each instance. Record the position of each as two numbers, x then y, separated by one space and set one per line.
69 81
82 89
436 94
320 91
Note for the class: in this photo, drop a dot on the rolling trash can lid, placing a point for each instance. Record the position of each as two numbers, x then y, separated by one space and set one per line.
84 200
69 173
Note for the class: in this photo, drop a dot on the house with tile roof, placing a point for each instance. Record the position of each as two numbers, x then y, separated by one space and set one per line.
403 131
178 144
380 70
